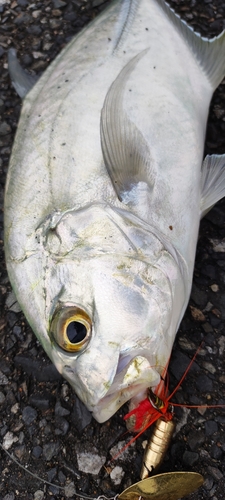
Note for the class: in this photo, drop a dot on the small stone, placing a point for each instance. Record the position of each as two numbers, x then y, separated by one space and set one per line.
55 23
204 383
41 400
214 288
4 128
52 474
3 379
116 450
60 410
62 426
29 415
216 473
9 496
195 439
37 55
15 408
179 364
90 463
70 490
61 477
210 427
221 343
56 12
8 440
208 483
50 450
36 13
209 367
197 315
198 296
207 328
80 416
2 397
216 452
20 451
218 245
117 475
58 4
190 458
37 451
39 495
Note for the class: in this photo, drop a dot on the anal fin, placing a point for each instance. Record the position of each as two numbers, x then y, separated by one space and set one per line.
213 181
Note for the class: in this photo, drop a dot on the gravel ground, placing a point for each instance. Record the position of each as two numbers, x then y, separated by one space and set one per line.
42 423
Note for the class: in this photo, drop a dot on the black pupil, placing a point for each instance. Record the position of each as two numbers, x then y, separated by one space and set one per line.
76 332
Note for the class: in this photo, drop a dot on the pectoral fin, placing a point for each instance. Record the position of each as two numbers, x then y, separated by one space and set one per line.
21 81
125 150
213 182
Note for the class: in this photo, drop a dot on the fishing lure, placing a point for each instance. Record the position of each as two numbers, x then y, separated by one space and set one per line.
157 407
157 446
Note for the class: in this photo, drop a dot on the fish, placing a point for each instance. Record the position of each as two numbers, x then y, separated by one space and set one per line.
105 190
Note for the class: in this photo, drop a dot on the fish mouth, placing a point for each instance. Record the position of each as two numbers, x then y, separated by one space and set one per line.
132 378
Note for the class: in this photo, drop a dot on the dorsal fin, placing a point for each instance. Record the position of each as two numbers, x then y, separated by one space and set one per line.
125 151
21 81
210 53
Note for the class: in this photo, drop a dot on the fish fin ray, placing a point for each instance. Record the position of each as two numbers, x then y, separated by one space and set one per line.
21 81
213 181
125 151
209 53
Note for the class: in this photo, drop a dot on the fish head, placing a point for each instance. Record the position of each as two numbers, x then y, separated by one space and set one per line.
113 345
100 306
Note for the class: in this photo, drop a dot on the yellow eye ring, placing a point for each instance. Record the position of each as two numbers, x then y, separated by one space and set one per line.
71 328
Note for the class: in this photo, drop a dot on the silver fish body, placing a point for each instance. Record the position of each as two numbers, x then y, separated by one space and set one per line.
104 195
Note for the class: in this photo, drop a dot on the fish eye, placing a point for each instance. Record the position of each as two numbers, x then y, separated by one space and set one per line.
71 328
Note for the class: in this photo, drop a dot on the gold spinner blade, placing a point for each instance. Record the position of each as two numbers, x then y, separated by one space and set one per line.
168 486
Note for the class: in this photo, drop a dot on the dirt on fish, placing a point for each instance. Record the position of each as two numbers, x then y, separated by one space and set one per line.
58 448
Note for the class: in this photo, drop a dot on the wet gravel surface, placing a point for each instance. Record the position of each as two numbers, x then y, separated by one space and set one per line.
42 423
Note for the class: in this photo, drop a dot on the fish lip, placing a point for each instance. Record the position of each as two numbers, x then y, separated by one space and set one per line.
122 390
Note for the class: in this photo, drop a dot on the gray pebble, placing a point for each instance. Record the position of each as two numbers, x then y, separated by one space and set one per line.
61 477
58 4
29 415
3 379
60 410
4 128
215 473
190 458
37 451
211 427
52 474
39 495
179 363
198 296
195 439
9 496
208 483
216 452
80 416
50 450
62 426
204 383
40 400
2 397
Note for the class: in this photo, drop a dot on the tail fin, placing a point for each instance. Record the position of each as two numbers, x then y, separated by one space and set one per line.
209 53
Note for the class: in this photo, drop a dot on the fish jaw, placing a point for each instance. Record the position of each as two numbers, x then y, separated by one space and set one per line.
104 396
137 378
